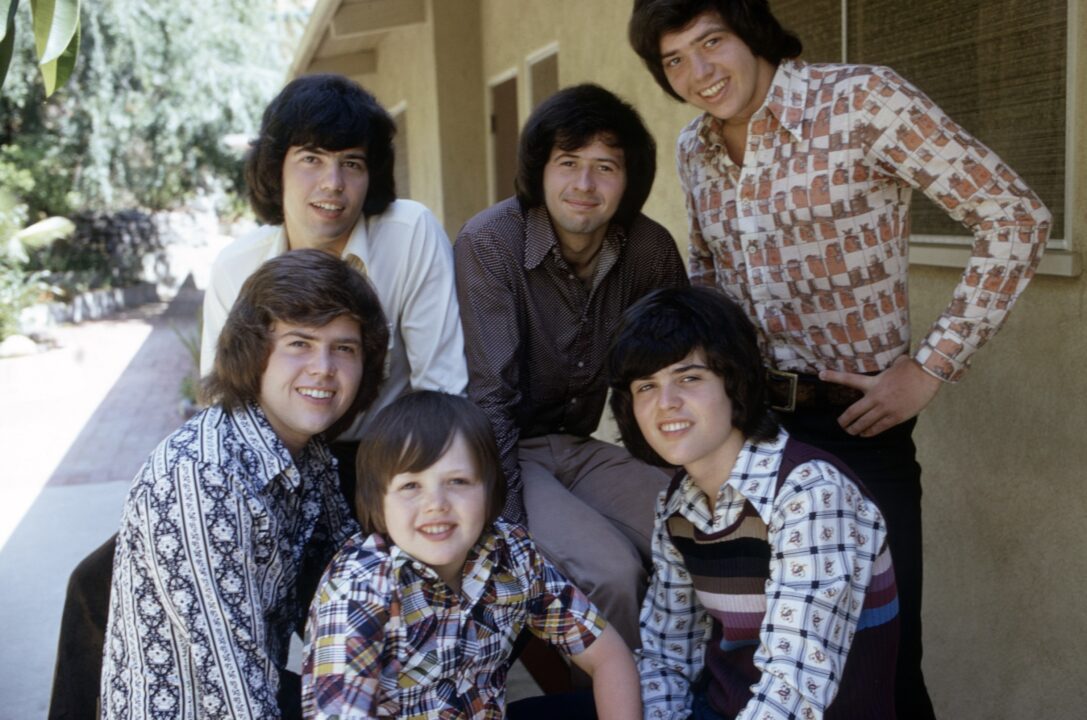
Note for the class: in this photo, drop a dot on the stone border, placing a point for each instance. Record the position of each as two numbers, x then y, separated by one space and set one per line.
90 305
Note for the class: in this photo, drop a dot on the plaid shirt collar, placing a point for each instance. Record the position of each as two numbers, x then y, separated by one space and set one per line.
478 567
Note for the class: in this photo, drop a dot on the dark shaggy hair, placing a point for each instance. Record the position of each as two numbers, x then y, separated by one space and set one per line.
413 433
302 287
667 325
328 112
571 119
751 20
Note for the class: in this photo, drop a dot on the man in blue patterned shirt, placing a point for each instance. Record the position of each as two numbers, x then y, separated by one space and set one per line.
233 508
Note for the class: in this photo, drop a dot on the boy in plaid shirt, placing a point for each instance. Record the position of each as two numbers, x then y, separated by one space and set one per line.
418 618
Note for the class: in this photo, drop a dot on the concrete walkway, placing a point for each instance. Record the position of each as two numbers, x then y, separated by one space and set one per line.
76 423
75 426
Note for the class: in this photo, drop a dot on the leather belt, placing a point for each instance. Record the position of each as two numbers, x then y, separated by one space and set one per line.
790 391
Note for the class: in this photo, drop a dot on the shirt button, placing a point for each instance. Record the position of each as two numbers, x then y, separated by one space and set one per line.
752 248
573 401
580 364
571 276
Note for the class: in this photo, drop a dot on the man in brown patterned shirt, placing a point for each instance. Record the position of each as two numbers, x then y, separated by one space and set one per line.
542 279
798 181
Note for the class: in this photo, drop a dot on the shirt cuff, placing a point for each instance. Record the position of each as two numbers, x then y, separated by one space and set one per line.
945 353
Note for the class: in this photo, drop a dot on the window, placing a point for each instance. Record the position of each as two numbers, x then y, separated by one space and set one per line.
997 67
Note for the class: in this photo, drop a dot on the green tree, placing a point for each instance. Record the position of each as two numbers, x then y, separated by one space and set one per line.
141 119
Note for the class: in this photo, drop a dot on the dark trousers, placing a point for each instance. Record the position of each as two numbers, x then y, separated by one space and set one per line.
577 705
82 635
887 465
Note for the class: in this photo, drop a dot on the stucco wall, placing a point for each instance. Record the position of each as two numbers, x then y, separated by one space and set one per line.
1004 452
412 46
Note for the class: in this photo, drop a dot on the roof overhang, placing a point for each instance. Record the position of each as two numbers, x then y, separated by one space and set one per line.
342 36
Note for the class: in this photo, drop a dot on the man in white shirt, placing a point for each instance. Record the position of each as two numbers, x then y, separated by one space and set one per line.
320 175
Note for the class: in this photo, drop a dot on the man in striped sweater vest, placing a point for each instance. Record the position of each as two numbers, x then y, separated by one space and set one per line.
773 592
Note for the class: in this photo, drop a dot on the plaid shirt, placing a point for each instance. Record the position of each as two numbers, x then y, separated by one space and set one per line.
811 233
817 525
387 638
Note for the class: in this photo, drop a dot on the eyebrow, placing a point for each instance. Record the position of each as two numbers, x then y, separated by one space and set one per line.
709 31
353 154
688 368
594 158
677 371
309 336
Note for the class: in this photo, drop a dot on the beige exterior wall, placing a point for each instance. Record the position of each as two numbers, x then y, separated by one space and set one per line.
592 47
414 92
1004 452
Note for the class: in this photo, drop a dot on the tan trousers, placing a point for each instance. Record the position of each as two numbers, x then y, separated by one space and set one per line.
590 510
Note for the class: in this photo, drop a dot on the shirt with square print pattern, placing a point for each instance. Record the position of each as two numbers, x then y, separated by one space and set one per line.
811 233
827 544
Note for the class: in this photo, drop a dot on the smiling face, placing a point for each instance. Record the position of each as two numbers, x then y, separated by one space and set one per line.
311 378
437 514
713 69
686 417
582 191
323 194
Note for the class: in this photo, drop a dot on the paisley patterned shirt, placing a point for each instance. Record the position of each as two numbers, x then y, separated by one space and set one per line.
215 532
827 542
388 638
811 233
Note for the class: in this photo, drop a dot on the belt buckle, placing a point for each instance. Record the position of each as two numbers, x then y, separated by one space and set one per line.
793 379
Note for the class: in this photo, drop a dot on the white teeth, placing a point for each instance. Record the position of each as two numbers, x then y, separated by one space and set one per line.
674 426
712 89
327 206
435 529
315 393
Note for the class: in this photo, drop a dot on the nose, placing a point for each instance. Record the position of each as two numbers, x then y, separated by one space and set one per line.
333 177
436 500
322 362
585 180
669 398
699 67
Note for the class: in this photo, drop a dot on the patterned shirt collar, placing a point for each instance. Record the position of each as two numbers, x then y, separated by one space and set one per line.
786 101
480 563
753 479
541 241
253 425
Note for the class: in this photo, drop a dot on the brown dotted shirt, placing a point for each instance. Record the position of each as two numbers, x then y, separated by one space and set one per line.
811 233
536 337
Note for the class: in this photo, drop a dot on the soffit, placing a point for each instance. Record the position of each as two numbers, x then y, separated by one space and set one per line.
344 35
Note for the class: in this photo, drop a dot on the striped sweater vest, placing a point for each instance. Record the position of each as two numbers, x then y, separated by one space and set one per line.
734 565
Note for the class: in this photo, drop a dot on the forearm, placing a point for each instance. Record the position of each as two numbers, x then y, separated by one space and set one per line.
615 679
674 631
492 341
1008 221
